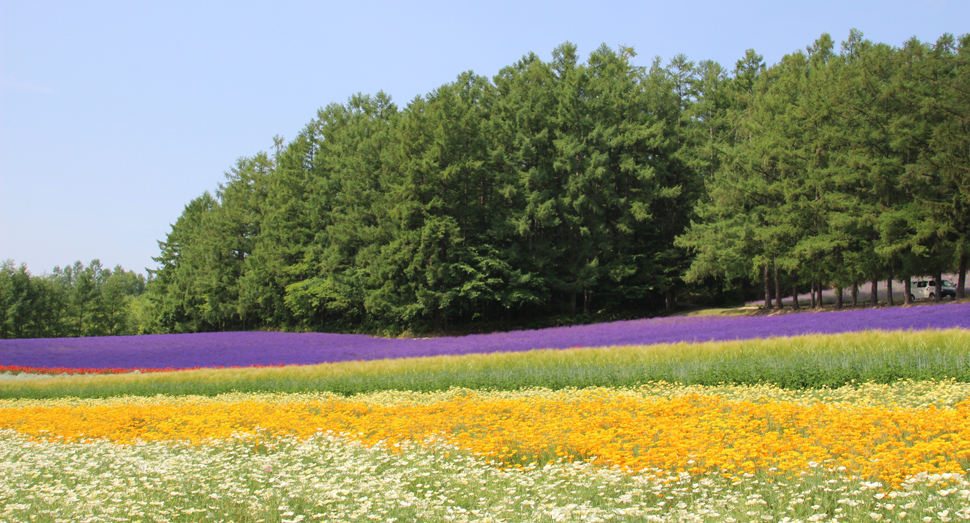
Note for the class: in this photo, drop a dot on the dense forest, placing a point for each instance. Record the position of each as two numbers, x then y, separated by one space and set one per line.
584 190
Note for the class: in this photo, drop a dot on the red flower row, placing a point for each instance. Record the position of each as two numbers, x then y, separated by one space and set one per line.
16 369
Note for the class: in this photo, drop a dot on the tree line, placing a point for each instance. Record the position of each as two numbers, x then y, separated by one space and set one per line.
77 300
568 187
587 189
553 188
839 169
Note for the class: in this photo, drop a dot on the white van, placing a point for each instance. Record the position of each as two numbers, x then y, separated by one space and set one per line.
926 290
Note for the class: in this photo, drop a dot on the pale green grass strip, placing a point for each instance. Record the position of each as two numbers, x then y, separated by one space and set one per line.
909 394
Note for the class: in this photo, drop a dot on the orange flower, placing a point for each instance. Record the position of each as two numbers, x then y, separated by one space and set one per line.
692 433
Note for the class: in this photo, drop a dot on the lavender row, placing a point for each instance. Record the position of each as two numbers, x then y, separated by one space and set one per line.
228 349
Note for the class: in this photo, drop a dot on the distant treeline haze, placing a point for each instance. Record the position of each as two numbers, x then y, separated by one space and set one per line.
73 301
599 188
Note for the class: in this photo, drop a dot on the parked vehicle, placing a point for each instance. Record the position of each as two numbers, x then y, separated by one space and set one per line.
926 290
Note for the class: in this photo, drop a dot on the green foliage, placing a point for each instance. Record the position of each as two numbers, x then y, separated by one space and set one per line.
74 301
563 189
839 169
566 189
530 195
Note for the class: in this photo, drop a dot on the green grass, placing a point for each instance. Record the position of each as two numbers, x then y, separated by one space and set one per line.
793 363
729 311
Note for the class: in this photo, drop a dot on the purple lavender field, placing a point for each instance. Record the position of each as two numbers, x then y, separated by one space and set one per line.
229 349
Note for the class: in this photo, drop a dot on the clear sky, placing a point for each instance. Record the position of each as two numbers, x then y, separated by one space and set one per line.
115 114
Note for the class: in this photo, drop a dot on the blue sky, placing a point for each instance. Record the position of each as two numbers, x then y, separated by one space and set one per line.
113 115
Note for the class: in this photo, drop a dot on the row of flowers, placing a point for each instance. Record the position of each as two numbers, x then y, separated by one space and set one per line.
73 371
691 433
659 452
227 349
334 478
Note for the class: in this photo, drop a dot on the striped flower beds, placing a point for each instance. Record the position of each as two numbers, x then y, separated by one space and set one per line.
809 428
659 453
244 349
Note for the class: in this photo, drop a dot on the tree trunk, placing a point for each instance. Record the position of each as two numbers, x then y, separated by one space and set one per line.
908 291
778 290
874 293
962 277
819 290
855 294
939 287
812 293
889 291
767 287
794 298
80 320
669 300
838 298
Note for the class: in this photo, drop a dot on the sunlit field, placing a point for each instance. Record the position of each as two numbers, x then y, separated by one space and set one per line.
329 477
871 425
245 349
659 452
810 361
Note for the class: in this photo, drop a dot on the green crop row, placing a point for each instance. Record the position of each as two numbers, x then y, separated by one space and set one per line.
802 362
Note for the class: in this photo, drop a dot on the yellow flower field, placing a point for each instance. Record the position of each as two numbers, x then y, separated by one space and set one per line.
687 432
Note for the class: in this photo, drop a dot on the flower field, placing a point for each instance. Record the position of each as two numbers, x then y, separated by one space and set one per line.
620 428
876 427
809 361
657 453
244 349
